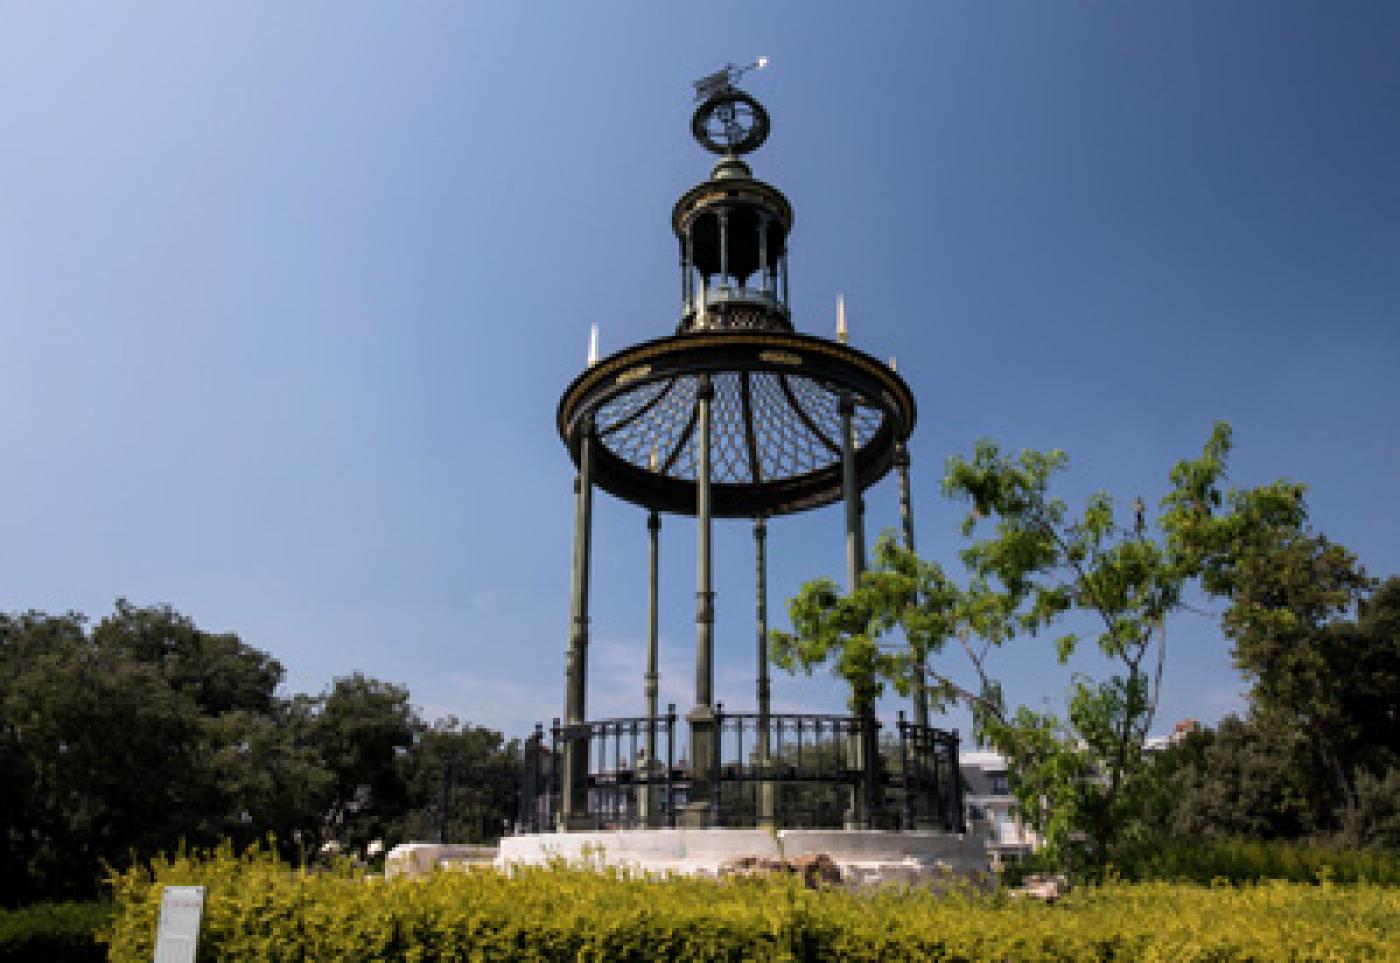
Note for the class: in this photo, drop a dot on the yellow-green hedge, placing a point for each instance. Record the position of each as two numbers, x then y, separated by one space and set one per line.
259 909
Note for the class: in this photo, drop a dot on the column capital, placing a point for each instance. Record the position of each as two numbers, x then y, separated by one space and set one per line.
653 521
846 404
587 429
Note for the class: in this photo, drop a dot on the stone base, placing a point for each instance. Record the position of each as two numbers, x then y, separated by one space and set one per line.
863 855
420 859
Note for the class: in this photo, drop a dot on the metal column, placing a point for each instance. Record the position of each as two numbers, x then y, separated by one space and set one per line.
704 741
575 783
723 248
651 682
906 518
850 490
760 538
763 252
863 808
688 282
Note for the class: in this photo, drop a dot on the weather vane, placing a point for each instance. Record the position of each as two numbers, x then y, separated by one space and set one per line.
729 121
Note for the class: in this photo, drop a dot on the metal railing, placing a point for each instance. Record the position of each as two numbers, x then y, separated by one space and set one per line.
786 769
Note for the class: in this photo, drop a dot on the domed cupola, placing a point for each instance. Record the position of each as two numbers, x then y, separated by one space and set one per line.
733 228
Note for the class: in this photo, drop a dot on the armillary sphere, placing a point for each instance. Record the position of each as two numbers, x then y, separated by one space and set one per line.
730 122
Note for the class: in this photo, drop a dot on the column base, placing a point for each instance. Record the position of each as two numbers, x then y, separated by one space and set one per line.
695 815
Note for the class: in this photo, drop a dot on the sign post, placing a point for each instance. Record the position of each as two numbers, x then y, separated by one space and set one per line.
177 937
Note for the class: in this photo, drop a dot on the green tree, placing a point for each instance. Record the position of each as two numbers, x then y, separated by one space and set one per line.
1318 752
1246 778
1335 681
1038 565
137 736
1041 569
899 591
109 756
361 728
268 777
473 770
219 672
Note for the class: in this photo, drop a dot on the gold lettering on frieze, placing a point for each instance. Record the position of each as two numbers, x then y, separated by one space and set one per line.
779 357
632 374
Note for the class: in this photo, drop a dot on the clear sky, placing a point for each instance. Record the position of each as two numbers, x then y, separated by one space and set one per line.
289 292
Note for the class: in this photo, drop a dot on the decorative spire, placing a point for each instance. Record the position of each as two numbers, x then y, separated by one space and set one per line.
593 346
841 333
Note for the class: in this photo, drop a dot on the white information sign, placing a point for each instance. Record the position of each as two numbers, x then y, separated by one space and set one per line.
177 938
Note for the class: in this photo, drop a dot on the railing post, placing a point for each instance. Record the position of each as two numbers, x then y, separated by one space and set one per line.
933 741
779 812
555 804
870 770
906 775
956 822
715 784
670 764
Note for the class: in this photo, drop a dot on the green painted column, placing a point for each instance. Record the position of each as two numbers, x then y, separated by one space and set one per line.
651 682
865 748
765 793
906 518
573 803
850 489
704 743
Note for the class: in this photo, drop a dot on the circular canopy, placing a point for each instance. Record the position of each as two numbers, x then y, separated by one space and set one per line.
775 444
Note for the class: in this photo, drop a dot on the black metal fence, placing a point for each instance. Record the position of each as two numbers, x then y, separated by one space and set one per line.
795 770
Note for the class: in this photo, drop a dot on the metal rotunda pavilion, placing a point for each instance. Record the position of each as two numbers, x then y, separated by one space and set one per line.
734 415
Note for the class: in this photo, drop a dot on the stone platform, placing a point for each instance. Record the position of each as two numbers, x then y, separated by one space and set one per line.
863 855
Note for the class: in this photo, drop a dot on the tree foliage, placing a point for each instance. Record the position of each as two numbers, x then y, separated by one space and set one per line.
1317 755
146 733
1036 569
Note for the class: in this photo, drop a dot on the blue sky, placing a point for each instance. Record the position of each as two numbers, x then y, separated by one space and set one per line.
288 294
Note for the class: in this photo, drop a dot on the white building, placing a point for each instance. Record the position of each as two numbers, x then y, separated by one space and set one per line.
990 809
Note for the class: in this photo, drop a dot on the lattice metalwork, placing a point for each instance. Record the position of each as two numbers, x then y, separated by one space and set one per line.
764 426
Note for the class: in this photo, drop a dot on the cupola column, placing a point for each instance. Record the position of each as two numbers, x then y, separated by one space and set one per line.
763 221
723 247
688 267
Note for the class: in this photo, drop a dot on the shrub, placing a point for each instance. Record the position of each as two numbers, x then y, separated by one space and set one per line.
1245 860
260 909
54 932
